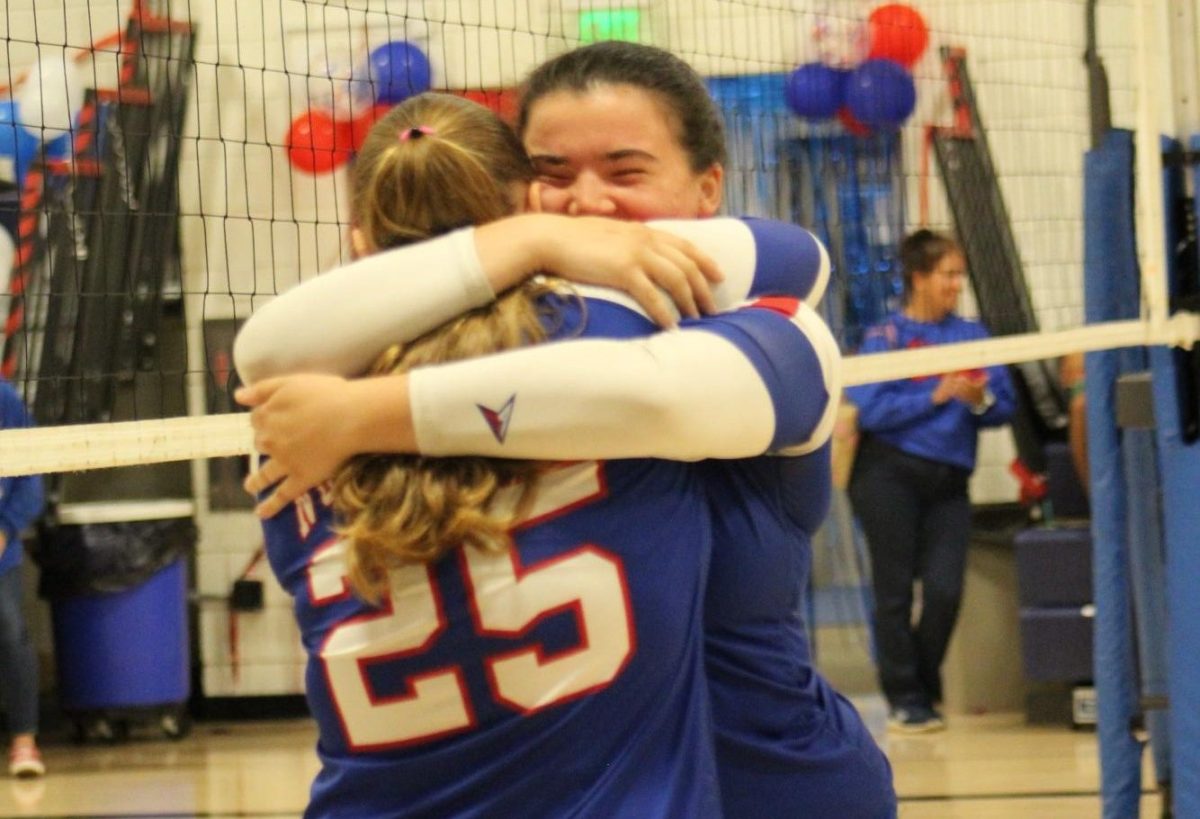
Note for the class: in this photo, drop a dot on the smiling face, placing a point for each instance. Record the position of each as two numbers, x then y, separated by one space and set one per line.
935 293
614 150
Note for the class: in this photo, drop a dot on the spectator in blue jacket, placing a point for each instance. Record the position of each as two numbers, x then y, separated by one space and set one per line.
909 483
21 501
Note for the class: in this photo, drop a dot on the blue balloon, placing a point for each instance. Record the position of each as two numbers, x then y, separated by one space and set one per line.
18 144
815 90
399 70
881 93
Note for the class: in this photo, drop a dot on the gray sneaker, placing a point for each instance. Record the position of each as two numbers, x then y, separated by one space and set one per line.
915 719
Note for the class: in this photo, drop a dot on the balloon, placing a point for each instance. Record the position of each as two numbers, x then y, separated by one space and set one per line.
51 96
399 70
361 126
841 41
318 144
897 32
880 94
339 85
816 90
851 124
17 145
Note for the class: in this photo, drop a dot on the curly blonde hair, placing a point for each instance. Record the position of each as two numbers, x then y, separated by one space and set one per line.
432 164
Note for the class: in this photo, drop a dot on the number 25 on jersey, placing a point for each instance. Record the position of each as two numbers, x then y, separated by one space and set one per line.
507 599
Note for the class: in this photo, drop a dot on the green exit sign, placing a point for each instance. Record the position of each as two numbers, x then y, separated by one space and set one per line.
610 24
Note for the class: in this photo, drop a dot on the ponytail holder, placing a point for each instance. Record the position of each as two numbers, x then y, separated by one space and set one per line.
414 133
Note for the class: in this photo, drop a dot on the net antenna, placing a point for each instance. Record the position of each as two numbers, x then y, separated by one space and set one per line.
1099 104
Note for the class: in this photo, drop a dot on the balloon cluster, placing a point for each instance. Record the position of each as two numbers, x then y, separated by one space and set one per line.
41 114
878 92
325 137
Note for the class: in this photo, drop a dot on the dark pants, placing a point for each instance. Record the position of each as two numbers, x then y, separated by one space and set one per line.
916 516
18 663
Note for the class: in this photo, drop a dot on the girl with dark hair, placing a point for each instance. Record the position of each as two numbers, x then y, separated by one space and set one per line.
909 482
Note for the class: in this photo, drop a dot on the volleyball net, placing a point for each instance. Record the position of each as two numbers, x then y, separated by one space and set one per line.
167 166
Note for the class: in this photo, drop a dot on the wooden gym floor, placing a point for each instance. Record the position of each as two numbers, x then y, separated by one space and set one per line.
981 767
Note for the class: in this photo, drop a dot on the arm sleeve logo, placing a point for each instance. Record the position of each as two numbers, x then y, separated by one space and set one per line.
498 419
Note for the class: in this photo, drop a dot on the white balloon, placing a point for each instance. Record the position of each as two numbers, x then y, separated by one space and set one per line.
51 96
339 84
841 42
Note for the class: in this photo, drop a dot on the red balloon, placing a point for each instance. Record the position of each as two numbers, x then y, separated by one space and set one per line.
852 124
316 143
897 32
360 127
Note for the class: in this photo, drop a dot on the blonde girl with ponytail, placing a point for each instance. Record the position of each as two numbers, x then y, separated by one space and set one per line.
433 164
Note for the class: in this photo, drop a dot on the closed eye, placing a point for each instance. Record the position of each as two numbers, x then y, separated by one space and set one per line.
553 170
556 180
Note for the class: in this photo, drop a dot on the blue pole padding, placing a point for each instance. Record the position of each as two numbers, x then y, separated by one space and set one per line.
1111 293
1179 465
1146 543
1180 469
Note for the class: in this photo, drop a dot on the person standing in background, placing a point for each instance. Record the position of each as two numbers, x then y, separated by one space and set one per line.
908 487
21 501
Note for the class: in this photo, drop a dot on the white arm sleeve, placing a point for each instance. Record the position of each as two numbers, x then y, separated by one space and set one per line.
748 268
340 321
730 244
682 395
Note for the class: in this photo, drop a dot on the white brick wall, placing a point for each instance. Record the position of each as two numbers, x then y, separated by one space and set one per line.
270 658
992 482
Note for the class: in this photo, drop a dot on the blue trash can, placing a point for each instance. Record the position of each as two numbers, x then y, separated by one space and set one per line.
120 624
128 649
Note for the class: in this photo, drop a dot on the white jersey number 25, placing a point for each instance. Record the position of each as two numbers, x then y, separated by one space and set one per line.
506 599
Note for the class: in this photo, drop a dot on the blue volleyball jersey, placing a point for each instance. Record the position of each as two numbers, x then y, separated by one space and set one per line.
786 743
902 412
781 732
562 679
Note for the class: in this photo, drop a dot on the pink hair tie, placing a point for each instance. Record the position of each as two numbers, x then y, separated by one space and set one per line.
414 133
